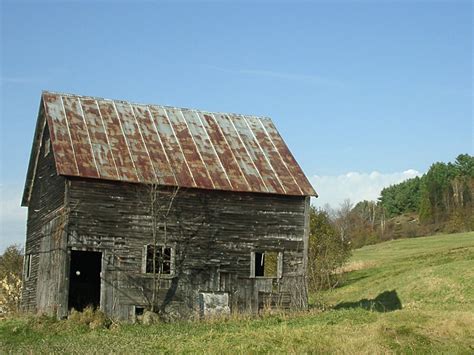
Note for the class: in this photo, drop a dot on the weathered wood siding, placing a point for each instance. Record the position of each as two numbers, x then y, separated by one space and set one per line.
45 240
212 232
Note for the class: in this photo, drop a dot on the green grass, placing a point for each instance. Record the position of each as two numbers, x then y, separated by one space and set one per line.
404 296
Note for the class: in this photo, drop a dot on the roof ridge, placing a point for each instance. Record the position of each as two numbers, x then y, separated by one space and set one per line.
149 104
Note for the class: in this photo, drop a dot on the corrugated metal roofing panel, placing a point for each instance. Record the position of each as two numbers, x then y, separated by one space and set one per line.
189 149
135 143
80 137
226 156
171 147
206 150
117 140
161 166
256 154
287 157
59 131
99 140
281 171
240 153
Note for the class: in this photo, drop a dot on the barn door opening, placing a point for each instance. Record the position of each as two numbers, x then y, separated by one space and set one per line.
84 279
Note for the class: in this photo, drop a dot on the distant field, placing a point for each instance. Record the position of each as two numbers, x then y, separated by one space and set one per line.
412 295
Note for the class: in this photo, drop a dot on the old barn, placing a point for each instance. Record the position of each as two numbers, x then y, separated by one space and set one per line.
134 207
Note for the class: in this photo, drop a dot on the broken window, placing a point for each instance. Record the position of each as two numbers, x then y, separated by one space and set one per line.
266 264
163 259
27 266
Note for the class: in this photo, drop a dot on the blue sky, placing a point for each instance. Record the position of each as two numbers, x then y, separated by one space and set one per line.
365 93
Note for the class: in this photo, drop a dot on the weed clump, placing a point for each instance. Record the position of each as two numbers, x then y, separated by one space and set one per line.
93 318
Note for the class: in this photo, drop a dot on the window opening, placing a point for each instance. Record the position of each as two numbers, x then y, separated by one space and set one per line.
139 310
162 259
267 264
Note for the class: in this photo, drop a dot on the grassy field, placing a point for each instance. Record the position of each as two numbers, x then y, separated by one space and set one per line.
410 296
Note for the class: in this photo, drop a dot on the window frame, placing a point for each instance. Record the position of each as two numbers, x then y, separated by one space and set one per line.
163 247
279 273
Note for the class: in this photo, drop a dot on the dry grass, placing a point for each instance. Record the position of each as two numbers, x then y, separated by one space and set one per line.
94 319
354 266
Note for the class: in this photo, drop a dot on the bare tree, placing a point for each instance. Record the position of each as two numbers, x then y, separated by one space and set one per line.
343 219
159 206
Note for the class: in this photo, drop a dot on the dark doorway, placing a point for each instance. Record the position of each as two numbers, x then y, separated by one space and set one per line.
84 279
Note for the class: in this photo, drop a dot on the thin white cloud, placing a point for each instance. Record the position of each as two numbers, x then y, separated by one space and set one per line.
314 79
334 189
12 216
19 80
307 78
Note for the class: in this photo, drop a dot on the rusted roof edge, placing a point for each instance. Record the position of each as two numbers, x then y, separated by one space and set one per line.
182 187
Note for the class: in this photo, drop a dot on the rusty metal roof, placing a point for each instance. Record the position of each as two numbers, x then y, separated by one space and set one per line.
123 141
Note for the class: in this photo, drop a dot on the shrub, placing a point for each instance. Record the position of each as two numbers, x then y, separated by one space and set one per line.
327 252
11 265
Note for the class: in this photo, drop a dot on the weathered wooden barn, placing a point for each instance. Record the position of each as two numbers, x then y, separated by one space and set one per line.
134 207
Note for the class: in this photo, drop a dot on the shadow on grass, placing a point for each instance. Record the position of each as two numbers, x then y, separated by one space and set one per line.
387 301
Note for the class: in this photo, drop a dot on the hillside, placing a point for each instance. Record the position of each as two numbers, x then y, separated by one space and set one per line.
439 201
411 295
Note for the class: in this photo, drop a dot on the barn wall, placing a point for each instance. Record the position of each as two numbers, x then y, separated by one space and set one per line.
45 240
212 232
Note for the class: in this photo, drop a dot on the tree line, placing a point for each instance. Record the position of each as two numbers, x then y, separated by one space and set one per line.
442 199
439 201
446 189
